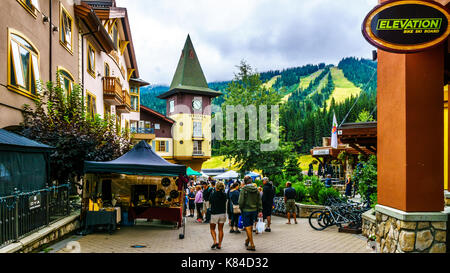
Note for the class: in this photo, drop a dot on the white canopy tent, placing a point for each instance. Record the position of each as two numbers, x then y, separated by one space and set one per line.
228 175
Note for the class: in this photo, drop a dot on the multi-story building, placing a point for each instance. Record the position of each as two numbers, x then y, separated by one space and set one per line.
184 135
110 74
38 38
83 42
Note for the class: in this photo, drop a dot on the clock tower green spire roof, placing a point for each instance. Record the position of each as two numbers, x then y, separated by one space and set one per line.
189 77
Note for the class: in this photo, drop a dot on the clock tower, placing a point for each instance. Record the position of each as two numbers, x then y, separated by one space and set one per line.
189 102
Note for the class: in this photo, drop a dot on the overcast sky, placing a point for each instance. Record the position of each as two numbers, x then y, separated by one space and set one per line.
268 34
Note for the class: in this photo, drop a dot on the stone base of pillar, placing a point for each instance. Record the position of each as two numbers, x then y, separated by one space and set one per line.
417 232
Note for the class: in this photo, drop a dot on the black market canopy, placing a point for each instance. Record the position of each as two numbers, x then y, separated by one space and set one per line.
189 77
141 160
24 163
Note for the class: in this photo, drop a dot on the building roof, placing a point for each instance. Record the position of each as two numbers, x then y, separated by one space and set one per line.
189 77
157 114
11 141
106 10
95 26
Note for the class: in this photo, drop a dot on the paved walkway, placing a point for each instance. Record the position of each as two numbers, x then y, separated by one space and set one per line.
284 238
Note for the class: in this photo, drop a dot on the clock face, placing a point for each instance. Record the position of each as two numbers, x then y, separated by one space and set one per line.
197 105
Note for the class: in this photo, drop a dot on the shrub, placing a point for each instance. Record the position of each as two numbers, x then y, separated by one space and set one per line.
314 189
365 177
326 193
301 190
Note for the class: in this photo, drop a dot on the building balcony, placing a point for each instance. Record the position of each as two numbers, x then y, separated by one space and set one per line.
143 133
125 107
198 137
112 91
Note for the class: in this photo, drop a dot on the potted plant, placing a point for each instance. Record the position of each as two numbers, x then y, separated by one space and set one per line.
372 243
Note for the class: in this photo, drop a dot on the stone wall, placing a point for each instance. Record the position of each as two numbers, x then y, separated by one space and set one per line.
396 236
369 225
306 210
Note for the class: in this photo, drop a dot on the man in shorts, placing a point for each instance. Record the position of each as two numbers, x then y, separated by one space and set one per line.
289 198
267 201
251 205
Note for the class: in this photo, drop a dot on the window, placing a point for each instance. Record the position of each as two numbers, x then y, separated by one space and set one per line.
115 35
106 110
197 147
30 5
157 126
134 90
161 146
23 65
197 129
91 104
107 71
135 103
172 106
65 80
66 29
91 60
134 127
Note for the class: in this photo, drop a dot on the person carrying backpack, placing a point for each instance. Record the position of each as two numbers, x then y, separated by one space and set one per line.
251 207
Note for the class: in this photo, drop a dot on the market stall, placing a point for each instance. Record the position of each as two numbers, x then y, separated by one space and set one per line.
137 185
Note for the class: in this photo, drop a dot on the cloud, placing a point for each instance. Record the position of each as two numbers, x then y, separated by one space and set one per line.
267 34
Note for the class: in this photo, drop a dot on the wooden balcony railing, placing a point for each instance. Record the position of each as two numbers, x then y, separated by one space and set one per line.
126 98
112 90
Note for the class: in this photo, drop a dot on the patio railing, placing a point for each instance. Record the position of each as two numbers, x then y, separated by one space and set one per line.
24 213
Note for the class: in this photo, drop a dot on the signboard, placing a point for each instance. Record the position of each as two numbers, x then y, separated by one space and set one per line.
321 152
407 26
34 202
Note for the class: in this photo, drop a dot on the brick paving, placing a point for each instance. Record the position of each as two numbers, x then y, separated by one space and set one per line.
284 238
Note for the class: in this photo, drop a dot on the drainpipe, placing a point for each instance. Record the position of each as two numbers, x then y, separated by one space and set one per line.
50 40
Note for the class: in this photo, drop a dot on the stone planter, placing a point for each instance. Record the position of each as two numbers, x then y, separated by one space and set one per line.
306 210
369 224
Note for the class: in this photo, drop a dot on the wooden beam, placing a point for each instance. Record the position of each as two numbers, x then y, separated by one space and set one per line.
356 147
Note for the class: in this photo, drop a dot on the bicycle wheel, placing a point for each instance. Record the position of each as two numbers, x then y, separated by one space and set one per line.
316 220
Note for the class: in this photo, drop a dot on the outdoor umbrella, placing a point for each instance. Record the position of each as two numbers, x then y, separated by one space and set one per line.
228 175
191 172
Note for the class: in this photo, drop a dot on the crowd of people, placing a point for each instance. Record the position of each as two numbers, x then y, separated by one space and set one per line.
242 203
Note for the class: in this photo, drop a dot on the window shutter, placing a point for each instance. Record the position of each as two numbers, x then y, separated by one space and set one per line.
154 145
167 146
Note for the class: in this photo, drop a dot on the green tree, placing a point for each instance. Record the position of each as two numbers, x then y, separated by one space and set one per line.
247 90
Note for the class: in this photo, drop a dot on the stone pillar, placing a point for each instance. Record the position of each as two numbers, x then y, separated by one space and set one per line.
410 152
401 232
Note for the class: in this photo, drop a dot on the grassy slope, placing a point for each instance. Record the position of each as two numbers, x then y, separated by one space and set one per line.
272 81
344 88
218 162
304 81
322 84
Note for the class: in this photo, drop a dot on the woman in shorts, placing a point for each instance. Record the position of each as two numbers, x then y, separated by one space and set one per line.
218 202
